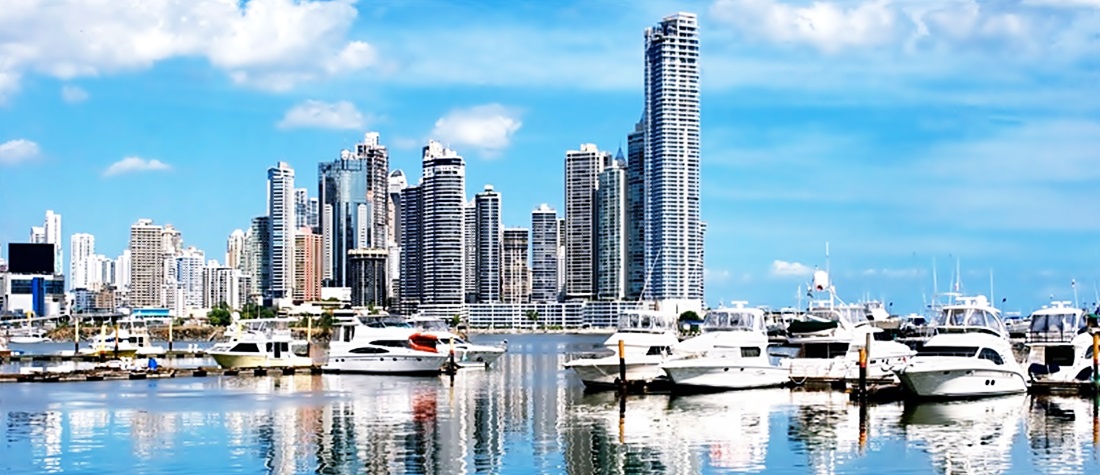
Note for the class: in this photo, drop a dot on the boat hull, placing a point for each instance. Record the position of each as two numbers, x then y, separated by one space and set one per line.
961 383
603 372
241 361
388 364
701 374
29 340
477 358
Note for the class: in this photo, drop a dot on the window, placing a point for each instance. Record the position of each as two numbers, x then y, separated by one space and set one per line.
366 350
389 343
960 351
246 348
750 352
1060 355
988 354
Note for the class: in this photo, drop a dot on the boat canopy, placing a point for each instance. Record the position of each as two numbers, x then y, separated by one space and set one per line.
828 311
1058 317
646 322
971 314
737 318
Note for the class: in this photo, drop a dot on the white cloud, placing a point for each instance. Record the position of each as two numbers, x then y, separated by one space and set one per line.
270 44
18 150
790 269
135 164
716 275
895 273
824 25
488 128
73 94
324 115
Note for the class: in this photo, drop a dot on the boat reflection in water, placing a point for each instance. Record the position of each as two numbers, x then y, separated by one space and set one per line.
731 429
1062 433
831 431
963 437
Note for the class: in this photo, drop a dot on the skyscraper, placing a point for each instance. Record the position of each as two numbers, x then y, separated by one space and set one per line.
221 284
674 234
123 270
258 257
469 251
52 228
443 190
515 274
81 268
308 265
544 254
368 277
635 212
353 204
189 266
582 169
398 183
412 234
280 212
146 264
488 230
301 208
235 250
611 233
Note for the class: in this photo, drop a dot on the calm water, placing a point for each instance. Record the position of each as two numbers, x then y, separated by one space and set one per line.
525 415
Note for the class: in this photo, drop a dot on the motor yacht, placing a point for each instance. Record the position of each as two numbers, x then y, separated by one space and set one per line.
969 356
647 338
381 344
132 337
830 336
27 333
1060 344
730 354
261 343
467 354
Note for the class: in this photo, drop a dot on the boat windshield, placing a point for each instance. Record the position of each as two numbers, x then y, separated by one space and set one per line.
850 314
644 322
383 322
742 319
969 318
430 324
1057 323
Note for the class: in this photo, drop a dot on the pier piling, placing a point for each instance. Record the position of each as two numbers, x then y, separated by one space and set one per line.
864 354
1096 360
170 321
622 365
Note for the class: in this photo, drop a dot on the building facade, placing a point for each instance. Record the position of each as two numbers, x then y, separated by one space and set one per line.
443 190
582 170
635 212
189 273
81 265
515 272
369 279
281 216
412 236
146 264
544 254
611 233
308 264
222 284
469 251
673 230
235 250
488 230
354 195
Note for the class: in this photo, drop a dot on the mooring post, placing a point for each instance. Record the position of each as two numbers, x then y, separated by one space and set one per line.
170 322
116 337
1096 361
622 365
76 336
864 355
309 333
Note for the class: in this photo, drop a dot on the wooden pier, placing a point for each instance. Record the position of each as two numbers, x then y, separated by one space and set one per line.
120 374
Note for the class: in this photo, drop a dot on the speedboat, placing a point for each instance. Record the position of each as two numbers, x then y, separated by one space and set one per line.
1060 344
467 354
830 337
128 339
261 343
647 337
969 356
381 344
730 354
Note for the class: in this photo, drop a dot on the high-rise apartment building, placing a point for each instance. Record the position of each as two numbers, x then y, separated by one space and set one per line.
412 236
189 273
146 264
52 228
469 251
123 269
222 284
308 264
280 212
582 170
38 235
635 212
235 250
674 233
354 196
81 265
515 273
301 207
258 245
397 185
611 233
488 230
544 254
368 278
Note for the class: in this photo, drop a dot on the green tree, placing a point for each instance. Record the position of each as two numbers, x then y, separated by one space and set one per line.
533 316
689 316
220 315
456 320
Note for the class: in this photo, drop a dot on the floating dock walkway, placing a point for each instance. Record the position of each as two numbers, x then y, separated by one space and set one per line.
113 374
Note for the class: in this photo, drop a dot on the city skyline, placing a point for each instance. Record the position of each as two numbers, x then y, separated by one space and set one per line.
808 137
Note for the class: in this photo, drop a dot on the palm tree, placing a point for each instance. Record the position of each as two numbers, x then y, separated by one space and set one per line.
533 316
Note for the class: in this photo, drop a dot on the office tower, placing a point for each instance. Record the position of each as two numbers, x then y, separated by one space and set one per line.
674 235
146 264
635 212
308 264
488 231
515 274
189 266
354 195
222 285
81 268
313 215
611 233
469 251
544 254
280 212
398 183
368 277
412 233
443 190
258 244
301 208
235 250
582 169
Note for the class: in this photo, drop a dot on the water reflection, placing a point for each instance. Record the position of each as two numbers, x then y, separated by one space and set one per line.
966 436
526 415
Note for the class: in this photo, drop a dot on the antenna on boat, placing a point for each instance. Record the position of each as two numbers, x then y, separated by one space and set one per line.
991 299
1073 283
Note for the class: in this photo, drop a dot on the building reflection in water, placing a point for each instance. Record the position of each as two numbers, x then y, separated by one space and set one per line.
965 437
1059 432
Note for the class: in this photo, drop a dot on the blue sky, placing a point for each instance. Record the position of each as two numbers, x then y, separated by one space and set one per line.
898 131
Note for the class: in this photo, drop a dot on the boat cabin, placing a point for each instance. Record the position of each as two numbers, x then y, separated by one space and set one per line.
1056 323
646 322
738 317
970 314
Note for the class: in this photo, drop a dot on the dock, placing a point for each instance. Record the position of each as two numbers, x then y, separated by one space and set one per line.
122 374
60 358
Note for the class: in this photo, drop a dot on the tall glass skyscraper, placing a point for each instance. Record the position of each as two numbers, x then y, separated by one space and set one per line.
354 204
673 229
280 213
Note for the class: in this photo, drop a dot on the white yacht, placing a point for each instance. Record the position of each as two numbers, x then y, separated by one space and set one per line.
381 344
1060 344
732 353
261 343
830 337
5 352
969 356
647 337
467 354
133 341
28 333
